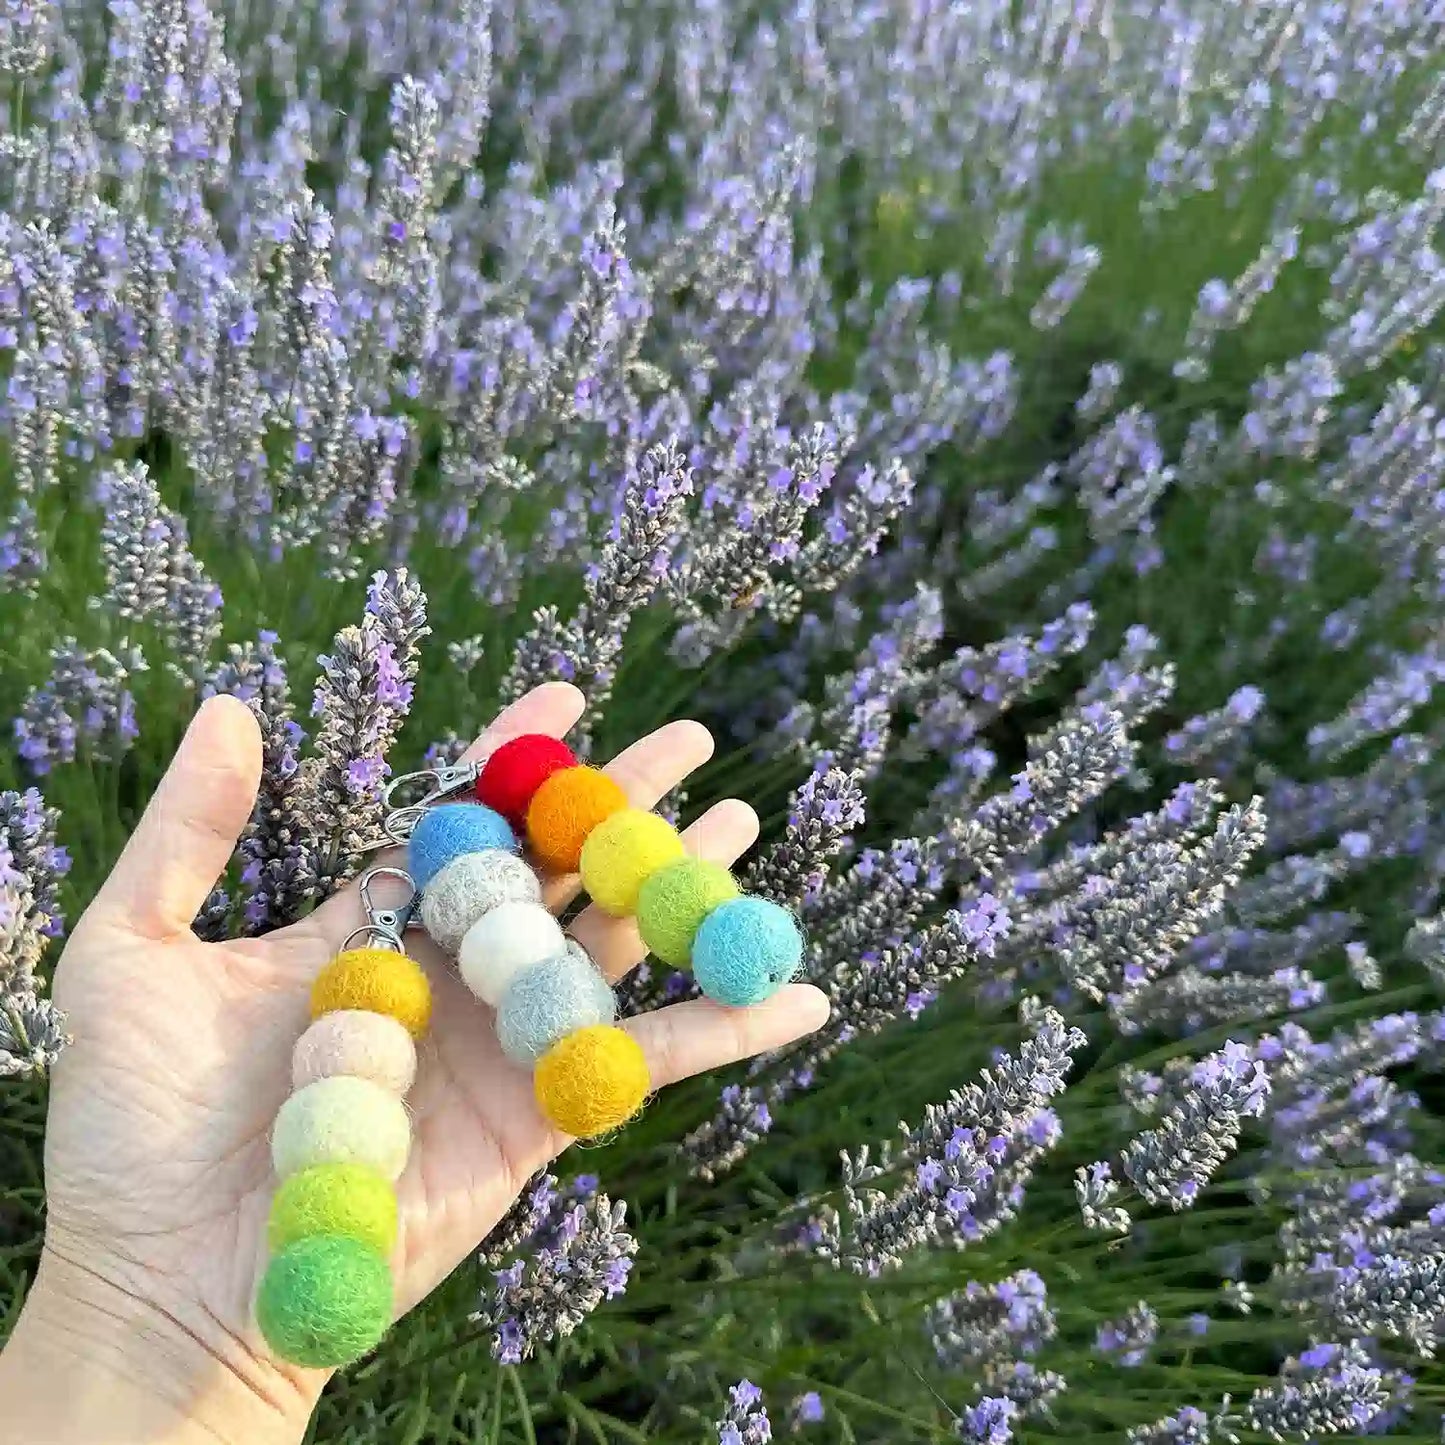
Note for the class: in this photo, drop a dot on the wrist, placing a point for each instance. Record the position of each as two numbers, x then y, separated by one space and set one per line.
89 1362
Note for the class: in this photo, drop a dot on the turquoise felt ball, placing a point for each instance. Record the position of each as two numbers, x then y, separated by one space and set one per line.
445 833
745 951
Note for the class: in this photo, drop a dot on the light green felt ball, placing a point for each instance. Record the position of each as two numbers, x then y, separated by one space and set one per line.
673 902
347 1199
324 1301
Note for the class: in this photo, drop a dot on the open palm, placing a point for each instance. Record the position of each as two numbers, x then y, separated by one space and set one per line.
158 1169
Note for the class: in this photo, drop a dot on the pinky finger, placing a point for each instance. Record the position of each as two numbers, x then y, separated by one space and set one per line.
692 1037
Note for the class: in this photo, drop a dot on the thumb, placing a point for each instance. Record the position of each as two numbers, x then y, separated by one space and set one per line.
187 834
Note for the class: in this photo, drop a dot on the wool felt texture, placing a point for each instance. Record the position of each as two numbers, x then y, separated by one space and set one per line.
353 1041
673 902
501 943
592 1081
745 950
565 810
375 980
447 831
324 1301
470 886
621 853
347 1199
341 1120
517 769
548 1001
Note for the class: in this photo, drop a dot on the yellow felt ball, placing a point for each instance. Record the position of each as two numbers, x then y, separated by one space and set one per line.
592 1081
375 980
622 853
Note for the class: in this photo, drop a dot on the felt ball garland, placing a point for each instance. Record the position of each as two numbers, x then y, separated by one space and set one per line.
339 1143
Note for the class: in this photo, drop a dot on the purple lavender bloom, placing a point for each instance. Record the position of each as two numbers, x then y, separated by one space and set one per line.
990 1422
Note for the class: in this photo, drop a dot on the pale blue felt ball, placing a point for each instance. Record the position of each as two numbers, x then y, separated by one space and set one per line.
445 833
550 1000
745 950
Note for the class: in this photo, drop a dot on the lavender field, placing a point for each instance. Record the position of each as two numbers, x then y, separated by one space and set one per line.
1017 429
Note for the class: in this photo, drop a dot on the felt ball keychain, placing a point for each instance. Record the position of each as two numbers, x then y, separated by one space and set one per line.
340 1142
481 903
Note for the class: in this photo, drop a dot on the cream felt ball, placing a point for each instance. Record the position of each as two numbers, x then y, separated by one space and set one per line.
341 1120
745 950
446 832
513 936
470 886
324 1301
550 1000
622 853
672 904
353 1041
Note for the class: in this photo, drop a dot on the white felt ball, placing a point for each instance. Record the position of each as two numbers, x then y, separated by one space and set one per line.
501 943
357 1042
470 886
341 1120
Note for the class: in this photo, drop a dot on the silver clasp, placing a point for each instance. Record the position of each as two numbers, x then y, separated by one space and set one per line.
398 819
443 782
384 926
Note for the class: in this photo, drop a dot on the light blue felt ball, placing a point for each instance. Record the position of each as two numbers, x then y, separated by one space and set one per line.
444 833
550 1000
745 951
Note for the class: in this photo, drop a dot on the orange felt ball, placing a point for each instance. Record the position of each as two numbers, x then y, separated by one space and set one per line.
565 809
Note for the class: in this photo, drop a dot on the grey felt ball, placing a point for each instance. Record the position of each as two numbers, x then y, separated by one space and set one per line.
550 1000
470 886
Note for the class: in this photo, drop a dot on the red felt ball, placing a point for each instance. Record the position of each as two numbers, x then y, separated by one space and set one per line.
517 769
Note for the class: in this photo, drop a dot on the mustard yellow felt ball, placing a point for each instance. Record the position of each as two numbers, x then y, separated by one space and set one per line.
592 1081
375 980
622 853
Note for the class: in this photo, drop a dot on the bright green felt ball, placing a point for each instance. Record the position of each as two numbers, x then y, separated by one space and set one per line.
673 902
324 1301
347 1199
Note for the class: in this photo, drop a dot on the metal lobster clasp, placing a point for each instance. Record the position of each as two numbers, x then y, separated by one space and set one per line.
436 784
384 926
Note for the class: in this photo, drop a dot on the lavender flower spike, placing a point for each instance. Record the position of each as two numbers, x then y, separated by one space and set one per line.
746 1422
824 812
1169 1164
548 1294
32 1029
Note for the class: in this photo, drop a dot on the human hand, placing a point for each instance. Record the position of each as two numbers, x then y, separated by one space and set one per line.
157 1158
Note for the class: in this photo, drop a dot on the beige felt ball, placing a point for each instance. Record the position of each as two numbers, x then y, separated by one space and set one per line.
341 1120
353 1041
502 942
